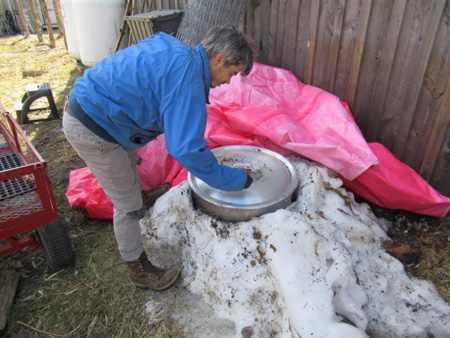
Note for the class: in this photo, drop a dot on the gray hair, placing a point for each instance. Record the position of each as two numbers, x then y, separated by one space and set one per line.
233 43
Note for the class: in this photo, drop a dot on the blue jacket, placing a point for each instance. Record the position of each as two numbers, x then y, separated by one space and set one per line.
157 86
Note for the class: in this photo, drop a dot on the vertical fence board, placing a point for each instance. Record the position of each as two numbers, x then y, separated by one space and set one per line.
388 59
441 174
337 12
413 50
273 33
346 47
311 44
381 41
291 19
265 25
158 4
327 46
359 33
434 97
437 138
257 23
281 33
301 43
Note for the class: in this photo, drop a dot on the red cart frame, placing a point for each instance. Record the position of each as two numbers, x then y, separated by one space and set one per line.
27 201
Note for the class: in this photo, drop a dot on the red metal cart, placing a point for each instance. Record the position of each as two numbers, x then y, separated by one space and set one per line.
28 212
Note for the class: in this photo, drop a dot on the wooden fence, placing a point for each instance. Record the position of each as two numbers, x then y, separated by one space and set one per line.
388 59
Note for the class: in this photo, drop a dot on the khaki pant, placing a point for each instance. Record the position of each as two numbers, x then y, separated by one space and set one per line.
116 170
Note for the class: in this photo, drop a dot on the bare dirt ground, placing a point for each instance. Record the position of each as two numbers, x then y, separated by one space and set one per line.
95 297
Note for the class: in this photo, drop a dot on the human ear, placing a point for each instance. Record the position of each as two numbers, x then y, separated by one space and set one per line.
219 58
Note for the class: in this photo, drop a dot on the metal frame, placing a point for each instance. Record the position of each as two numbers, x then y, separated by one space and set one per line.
15 229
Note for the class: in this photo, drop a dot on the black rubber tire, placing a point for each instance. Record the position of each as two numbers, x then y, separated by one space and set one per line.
57 246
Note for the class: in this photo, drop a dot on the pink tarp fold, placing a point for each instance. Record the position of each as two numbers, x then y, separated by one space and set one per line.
272 109
394 185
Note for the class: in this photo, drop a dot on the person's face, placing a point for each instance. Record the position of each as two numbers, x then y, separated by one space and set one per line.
221 74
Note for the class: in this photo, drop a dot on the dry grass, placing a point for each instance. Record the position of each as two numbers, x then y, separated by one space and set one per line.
95 298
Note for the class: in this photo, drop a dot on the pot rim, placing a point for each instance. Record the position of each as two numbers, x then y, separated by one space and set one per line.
287 192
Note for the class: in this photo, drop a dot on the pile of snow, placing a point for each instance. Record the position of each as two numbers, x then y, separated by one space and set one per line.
314 269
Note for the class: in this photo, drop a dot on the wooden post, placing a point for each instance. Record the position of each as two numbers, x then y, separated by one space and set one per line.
123 27
23 17
48 23
59 19
38 21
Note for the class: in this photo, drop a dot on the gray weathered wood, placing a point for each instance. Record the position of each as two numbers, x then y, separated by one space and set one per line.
37 20
9 280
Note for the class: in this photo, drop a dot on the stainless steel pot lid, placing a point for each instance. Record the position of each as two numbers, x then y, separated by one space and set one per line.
274 179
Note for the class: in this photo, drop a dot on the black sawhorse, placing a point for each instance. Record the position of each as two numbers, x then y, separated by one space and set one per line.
34 92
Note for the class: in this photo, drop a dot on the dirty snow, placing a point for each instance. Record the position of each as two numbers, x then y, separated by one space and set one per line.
314 269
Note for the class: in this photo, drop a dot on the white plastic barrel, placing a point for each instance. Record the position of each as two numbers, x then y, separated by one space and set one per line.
70 29
98 24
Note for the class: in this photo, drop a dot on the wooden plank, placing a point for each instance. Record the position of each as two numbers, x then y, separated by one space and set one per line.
273 33
264 23
9 280
256 27
335 18
329 31
311 46
281 35
48 23
441 174
59 19
134 28
148 29
382 38
37 20
158 4
291 24
124 25
433 102
23 18
358 49
406 79
437 137
301 45
348 39
248 23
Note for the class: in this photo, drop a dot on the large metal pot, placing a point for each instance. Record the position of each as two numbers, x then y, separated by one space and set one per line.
274 184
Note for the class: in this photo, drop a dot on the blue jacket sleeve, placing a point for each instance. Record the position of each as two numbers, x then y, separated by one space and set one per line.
184 115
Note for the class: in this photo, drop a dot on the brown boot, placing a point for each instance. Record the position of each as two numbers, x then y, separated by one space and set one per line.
145 274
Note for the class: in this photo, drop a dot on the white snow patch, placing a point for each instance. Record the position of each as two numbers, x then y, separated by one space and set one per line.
314 269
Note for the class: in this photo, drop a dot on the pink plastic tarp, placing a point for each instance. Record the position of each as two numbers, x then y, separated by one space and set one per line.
272 109
394 185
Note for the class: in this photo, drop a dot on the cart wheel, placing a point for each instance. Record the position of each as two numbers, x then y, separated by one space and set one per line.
57 246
